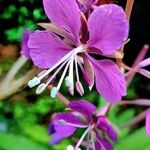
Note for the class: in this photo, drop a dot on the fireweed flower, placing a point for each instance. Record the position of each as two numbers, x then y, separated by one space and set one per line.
84 116
107 30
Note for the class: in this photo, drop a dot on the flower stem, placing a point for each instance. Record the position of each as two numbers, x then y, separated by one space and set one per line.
14 69
136 119
83 136
139 58
60 96
141 102
128 9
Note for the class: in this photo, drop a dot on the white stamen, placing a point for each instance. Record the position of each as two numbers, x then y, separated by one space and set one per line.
41 88
90 88
35 81
76 66
73 52
79 88
71 83
57 71
63 122
67 81
69 59
54 92
57 64
63 75
93 144
83 136
70 147
41 73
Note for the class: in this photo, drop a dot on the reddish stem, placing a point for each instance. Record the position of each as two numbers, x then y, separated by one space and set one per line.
136 119
128 9
60 96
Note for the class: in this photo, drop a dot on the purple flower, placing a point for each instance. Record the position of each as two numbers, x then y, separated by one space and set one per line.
107 31
24 47
83 115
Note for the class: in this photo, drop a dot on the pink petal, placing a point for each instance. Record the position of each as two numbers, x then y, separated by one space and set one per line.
84 107
144 72
46 48
60 130
144 63
88 72
64 13
108 28
148 122
56 139
110 82
105 143
105 125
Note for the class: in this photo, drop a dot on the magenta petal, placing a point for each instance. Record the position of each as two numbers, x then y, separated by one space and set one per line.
148 122
64 13
88 72
84 107
97 145
105 125
60 125
106 144
46 48
110 82
108 28
144 72
144 63
51 129
56 138
24 47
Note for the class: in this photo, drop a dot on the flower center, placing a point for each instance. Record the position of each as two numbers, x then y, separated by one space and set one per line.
68 62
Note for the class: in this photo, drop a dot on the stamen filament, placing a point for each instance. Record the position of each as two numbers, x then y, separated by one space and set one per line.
76 125
64 122
63 75
70 77
93 144
57 71
71 53
57 64
76 66
83 136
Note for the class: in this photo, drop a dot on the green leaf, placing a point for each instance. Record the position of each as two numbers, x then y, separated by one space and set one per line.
37 133
16 142
135 141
